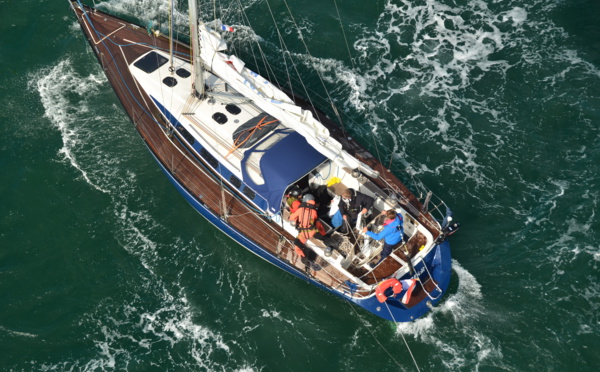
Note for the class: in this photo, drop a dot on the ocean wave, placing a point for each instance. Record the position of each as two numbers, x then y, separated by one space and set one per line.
458 318
440 89
65 97
133 331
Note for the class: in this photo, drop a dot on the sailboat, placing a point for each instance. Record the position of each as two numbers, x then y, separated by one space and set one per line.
239 148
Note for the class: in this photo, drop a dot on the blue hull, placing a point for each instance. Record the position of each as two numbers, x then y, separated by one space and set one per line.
439 267
115 59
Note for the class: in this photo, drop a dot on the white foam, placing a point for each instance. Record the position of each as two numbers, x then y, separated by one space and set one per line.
445 49
334 71
455 319
128 331
55 86
518 16
461 305
18 333
154 10
446 54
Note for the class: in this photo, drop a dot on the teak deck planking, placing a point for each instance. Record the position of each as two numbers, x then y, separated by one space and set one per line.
174 157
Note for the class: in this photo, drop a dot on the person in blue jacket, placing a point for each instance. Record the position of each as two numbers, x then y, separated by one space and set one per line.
392 233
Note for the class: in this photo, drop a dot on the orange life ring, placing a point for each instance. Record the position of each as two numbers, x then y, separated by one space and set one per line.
383 286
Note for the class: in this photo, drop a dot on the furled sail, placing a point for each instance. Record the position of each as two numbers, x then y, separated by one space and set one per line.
273 101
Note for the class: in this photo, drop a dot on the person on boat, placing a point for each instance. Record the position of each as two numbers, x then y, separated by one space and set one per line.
392 233
294 199
352 204
306 221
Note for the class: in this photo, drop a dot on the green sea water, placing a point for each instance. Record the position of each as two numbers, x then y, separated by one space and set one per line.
495 105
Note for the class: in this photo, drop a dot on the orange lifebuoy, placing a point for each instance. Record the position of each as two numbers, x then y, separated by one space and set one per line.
383 286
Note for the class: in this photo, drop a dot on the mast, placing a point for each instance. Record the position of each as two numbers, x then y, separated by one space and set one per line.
197 65
171 68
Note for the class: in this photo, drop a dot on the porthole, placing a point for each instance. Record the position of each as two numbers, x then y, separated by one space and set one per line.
209 158
235 181
183 73
249 193
170 81
188 137
233 109
220 118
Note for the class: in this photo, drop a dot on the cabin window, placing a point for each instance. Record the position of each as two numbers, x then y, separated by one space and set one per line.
188 137
209 158
182 73
170 81
233 109
235 181
150 62
249 193
220 118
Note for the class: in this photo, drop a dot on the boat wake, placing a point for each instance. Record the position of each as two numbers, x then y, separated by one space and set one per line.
440 85
55 86
146 318
444 70
458 318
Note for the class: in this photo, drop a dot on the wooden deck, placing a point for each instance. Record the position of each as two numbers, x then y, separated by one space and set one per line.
115 50
112 40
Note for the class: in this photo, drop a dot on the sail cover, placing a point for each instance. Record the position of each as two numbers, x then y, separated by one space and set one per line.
282 164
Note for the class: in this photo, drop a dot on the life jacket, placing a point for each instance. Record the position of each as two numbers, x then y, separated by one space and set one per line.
306 216
291 200
295 205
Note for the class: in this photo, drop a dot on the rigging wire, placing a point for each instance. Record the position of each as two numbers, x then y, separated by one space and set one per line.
283 48
402 335
312 60
268 69
288 53
344 33
215 9
354 68
406 343
374 337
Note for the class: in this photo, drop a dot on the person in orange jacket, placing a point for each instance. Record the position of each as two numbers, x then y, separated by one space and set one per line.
294 199
305 219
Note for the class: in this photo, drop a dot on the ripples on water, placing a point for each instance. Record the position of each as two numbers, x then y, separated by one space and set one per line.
477 97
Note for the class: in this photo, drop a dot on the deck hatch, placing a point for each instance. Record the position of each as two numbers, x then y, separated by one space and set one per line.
252 131
233 109
150 62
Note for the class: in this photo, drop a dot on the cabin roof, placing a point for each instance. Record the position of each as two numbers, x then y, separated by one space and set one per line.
283 163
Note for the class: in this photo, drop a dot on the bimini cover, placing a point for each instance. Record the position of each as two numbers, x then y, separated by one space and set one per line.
282 164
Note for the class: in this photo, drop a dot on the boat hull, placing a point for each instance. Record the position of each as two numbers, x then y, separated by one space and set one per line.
117 43
391 310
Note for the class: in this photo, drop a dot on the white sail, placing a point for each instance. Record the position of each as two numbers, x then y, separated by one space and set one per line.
273 101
